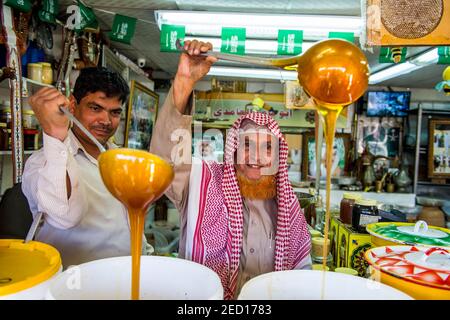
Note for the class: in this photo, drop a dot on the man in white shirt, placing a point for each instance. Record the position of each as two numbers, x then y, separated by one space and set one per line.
82 219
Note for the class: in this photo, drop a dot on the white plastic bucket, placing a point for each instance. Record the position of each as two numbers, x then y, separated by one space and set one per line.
161 278
27 269
37 292
307 285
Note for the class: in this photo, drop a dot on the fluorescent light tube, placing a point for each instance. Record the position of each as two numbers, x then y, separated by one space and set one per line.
262 26
425 59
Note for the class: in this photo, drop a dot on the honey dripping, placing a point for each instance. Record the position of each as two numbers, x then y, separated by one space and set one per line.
335 74
137 179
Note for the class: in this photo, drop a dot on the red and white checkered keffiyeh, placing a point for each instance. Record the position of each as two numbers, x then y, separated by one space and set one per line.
218 237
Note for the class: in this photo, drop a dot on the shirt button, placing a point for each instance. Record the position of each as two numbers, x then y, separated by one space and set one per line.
64 153
252 250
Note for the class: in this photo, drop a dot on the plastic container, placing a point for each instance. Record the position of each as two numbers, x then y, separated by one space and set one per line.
421 272
34 72
162 278
395 233
346 208
307 285
27 269
47 73
365 212
317 244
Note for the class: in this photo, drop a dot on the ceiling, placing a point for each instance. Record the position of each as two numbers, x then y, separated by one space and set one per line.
145 43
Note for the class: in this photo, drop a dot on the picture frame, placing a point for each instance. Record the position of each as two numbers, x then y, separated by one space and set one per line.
382 136
439 148
296 97
341 145
141 116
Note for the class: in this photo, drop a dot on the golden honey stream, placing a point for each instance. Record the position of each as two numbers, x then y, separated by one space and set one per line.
136 178
335 73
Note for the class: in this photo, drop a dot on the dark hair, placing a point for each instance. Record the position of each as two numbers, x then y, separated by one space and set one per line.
100 79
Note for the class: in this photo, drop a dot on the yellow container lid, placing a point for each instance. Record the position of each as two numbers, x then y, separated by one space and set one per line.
320 241
352 196
25 265
315 233
30 112
319 267
45 64
347 271
366 202
36 65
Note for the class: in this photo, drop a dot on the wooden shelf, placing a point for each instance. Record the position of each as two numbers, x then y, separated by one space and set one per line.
5 83
8 152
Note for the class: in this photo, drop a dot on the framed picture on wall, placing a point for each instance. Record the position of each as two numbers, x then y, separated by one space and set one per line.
439 148
382 136
340 152
141 116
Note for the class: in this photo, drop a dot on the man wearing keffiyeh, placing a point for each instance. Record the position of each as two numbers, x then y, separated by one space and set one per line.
241 217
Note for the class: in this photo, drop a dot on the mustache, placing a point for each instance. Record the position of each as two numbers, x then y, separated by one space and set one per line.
102 127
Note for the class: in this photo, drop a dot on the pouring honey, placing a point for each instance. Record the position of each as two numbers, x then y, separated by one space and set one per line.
335 73
136 178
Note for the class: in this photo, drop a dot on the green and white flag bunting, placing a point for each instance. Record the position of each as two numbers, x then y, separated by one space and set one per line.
349 36
392 55
169 36
50 6
21 5
48 11
444 55
86 19
233 41
290 42
123 29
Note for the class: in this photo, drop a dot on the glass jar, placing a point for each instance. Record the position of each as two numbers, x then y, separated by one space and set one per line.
4 137
47 73
364 212
346 210
318 262
6 116
29 120
317 244
34 72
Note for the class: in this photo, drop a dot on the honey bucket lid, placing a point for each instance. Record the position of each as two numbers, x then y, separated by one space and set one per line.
352 196
366 202
34 65
404 233
319 267
30 112
319 240
346 271
422 265
25 265
315 233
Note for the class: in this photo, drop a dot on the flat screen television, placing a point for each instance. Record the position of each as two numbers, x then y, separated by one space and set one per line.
388 104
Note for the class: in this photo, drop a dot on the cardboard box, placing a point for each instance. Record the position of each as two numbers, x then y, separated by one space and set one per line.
334 236
351 248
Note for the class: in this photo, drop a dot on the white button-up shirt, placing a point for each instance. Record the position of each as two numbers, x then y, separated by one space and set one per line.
91 224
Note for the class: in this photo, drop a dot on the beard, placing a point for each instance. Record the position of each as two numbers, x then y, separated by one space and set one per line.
262 189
